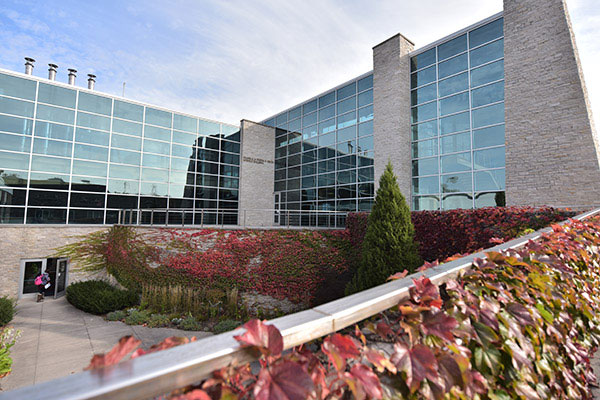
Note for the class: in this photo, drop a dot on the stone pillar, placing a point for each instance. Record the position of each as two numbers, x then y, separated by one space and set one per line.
391 110
257 174
552 150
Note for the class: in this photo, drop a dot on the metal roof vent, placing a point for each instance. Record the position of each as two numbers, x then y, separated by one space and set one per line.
29 65
72 76
52 71
91 81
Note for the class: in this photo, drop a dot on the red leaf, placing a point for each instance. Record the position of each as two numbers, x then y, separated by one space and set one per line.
440 325
195 394
380 360
266 338
125 346
339 348
398 275
520 313
367 380
283 381
418 363
425 293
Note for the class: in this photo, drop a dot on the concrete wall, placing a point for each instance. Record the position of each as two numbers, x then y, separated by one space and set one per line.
391 108
257 174
552 151
19 242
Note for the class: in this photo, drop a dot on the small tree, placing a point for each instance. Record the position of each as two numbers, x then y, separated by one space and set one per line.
389 245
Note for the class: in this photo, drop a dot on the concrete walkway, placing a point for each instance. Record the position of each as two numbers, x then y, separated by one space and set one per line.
57 340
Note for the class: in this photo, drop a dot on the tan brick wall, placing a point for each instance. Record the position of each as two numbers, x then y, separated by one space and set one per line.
552 151
391 108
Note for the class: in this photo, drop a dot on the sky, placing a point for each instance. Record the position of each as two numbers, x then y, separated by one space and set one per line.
234 59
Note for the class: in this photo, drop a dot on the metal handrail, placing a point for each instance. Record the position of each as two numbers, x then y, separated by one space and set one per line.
164 371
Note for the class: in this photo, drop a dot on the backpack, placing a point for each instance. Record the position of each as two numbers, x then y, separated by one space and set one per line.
38 280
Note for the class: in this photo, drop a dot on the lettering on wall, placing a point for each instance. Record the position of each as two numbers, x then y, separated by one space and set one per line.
257 160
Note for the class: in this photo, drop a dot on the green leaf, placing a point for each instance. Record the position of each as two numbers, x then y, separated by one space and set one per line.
547 315
485 333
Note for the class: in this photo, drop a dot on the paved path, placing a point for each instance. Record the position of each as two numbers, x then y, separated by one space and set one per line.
57 340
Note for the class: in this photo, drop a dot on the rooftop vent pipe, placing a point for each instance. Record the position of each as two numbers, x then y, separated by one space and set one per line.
91 81
52 71
29 65
72 76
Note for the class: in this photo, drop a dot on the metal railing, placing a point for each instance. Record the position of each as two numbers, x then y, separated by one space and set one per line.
158 373
246 218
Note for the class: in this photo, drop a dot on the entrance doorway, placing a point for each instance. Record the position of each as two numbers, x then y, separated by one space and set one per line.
57 269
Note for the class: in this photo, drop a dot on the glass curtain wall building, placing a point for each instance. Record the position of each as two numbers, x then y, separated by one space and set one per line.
69 155
324 151
457 121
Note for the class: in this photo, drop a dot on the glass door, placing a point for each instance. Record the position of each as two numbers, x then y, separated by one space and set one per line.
30 269
277 203
61 277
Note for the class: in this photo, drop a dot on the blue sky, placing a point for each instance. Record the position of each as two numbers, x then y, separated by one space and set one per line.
234 59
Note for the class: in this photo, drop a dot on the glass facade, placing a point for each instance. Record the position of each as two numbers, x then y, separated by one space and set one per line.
324 152
77 157
457 121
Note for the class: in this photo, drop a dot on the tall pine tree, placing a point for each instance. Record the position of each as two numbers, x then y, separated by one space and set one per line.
389 245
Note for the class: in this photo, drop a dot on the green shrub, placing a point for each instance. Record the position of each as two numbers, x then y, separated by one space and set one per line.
137 317
8 337
226 326
118 315
7 310
389 244
159 320
189 323
100 297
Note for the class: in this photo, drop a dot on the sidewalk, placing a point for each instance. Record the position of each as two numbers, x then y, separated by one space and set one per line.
57 340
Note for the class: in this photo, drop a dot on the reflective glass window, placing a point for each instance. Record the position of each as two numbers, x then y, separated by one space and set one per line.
327 126
57 95
48 198
326 113
497 199
230 147
124 172
486 33
93 121
14 160
365 83
488 137
347 147
365 113
55 114
120 186
346 105
308 182
345 120
130 111
15 143
427 185
181 163
295 125
81 167
91 152
281 119
51 164
452 47
46 216
456 143
152 146
366 128
346 91
327 140
488 94
488 115
15 125
452 66
326 99
88 200
309 107
11 197
454 104
16 107
422 60
309 119
454 123
422 77
151 160
424 112
95 104
90 136
184 123
456 183
424 94
489 158
346 134
489 180
487 53
365 143
424 130
488 73
181 151
129 128
179 137
52 147
49 181
295 113
456 162
454 84
425 148
426 203
88 183
53 131
154 189
454 201
365 174
158 117
425 166
13 178
17 87
126 142
124 157
365 98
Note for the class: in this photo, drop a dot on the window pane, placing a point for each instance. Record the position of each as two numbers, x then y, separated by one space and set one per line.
327 99
454 123
346 120
17 87
46 216
56 95
124 157
15 143
151 160
424 130
96 104
422 77
346 134
346 105
13 178
49 181
488 115
93 121
88 184
179 137
452 47
91 152
50 164
366 128
126 142
123 171
488 73
424 94
488 94
365 83
127 127
456 183
425 148
309 119
154 189
157 133
89 168
309 107
487 137
456 143
426 166
365 113
295 125
14 160
455 84
153 146
52 147
184 123
424 112
453 104
87 200
426 203
489 180
497 199
365 98
55 114
181 151
487 53
16 107
11 197
159 175
365 143
327 126
346 91
122 187
486 33
92 137
15 125
422 60
489 158
326 113
158 117
452 66
428 185
456 162
295 113
128 111
454 201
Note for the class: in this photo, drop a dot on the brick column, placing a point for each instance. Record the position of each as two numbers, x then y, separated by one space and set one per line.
552 150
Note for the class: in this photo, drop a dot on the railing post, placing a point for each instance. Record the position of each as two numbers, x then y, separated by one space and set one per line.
182 217
151 217
166 217
119 221
131 216
222 218
288 219
202 218
139 216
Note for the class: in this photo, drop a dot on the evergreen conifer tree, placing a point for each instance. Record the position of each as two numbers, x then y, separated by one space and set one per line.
389 245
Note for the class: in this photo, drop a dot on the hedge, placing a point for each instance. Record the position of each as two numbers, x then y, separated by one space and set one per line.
100 297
